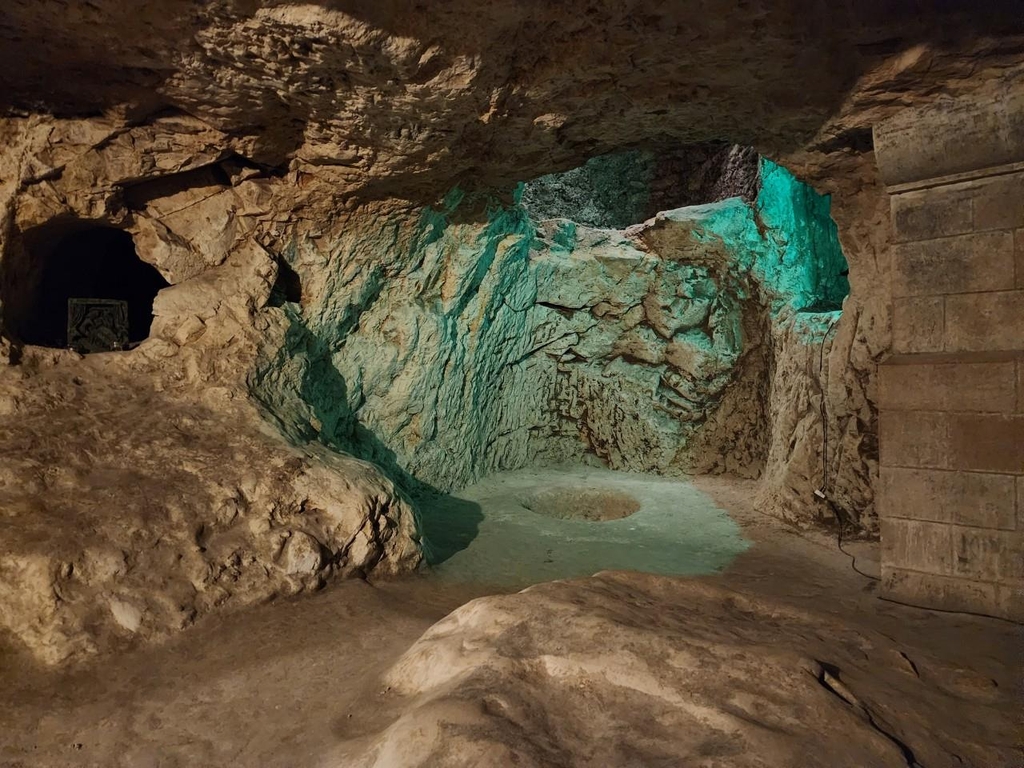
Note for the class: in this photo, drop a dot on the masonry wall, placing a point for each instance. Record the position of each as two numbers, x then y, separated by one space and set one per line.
951 401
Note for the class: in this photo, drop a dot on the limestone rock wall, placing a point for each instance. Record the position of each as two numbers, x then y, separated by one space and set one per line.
457 349
624 188
141 490
447 343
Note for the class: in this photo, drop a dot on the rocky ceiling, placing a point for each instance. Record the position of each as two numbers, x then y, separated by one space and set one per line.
388 96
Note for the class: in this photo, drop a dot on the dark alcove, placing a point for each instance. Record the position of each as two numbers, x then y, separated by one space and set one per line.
85 277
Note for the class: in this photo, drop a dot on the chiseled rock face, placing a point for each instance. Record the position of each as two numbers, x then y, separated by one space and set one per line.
141 490
130 510
444 349
627 669
282 164
620 189
415 96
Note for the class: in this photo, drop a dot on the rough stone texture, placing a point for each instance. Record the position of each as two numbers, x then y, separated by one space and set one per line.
628 669
444 349
232 137
498 346
141 490
417 96
859 340
131 510
618 190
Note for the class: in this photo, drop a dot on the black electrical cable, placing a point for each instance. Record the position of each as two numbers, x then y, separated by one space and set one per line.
950 610
853 558
824 415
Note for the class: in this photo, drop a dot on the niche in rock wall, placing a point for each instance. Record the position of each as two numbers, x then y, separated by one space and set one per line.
77 284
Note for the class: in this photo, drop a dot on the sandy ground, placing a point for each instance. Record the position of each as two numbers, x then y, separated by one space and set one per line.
283 684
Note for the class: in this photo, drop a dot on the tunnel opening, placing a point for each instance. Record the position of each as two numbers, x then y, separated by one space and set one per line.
79 285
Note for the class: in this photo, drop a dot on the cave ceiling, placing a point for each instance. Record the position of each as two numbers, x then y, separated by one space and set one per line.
389 95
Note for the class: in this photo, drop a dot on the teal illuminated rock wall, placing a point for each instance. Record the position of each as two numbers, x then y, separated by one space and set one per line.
805 267
448 343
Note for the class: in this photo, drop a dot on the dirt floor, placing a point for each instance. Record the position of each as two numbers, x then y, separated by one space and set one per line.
288 683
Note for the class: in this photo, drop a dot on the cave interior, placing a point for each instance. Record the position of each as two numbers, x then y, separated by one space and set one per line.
571 384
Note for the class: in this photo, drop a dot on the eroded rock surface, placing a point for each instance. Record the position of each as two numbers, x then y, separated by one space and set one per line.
444 349
129 510
285 166
629 670
143 489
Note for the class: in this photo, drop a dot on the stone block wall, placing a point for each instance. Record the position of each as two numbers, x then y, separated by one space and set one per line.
951 399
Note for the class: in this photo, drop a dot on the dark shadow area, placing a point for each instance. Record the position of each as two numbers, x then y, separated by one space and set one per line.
287 287
446 523
617 190
47 281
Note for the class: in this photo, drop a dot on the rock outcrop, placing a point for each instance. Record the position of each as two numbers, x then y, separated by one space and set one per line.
142 489
131 509
618 190
627 669
444 349
284 167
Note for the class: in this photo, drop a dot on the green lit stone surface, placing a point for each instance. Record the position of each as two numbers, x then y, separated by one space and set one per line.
807 266
470 339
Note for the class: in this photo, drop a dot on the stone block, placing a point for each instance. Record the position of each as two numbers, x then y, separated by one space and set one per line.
917 325
1009 602
930 213
959 264
1020 504
965 498
987 443
1020 386
987 387
985 321
1018 247
913 439
917 546
988 555
935 591
999 202
950 136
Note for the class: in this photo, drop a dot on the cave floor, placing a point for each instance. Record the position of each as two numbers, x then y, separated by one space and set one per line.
513 538
287 684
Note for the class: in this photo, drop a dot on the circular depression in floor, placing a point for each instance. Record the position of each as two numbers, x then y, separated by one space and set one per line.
514 529
595 505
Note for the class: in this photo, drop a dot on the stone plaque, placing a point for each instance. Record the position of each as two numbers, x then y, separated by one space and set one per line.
97 325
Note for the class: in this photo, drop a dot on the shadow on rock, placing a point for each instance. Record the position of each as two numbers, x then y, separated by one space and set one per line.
447 524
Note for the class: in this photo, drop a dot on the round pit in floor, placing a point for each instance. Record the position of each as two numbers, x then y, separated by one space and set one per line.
514 529
582 503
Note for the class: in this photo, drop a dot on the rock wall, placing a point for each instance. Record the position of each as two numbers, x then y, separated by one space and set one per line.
617 190
846 381
141 490
277 163
450 343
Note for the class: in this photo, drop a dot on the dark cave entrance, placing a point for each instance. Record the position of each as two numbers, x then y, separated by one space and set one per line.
80 285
